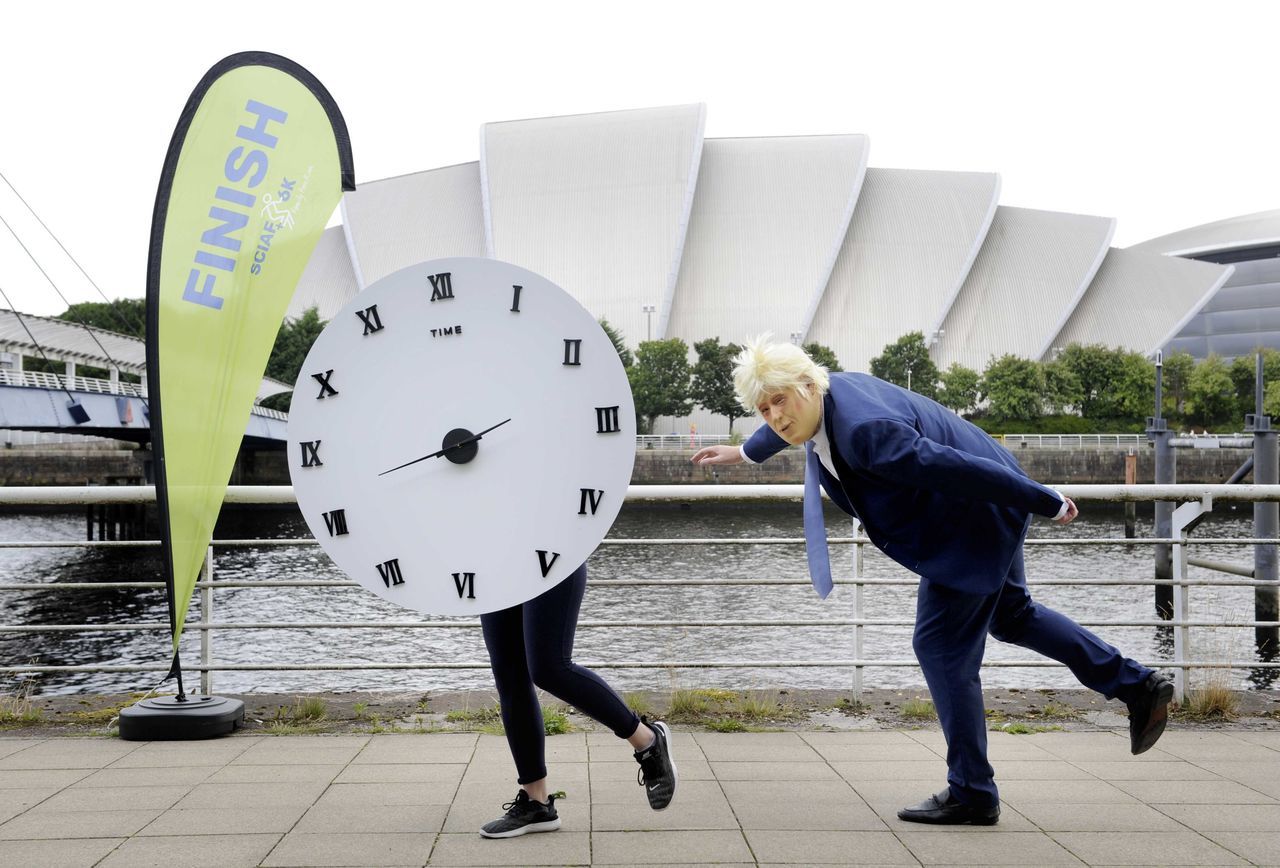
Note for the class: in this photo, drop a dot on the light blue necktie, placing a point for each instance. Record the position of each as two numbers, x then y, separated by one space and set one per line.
815 527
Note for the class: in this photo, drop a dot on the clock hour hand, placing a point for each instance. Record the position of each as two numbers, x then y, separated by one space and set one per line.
468 439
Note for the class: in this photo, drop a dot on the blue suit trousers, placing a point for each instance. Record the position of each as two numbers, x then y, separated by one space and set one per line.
950 636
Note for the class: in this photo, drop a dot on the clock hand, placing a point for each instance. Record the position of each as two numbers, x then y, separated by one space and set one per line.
452 446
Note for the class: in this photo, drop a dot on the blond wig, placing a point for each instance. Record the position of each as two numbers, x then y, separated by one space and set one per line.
766 367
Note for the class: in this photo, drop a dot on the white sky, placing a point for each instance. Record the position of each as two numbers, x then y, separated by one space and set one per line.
1160 114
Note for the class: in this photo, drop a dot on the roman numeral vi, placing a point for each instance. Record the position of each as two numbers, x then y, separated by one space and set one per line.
465 583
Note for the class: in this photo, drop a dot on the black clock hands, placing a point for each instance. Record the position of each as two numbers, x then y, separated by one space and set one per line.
459 446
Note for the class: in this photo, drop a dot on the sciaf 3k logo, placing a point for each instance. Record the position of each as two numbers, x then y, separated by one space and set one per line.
278 215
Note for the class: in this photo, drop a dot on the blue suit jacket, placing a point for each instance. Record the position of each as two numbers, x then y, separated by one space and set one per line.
935 493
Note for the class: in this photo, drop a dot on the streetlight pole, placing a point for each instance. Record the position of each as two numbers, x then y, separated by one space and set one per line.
648 331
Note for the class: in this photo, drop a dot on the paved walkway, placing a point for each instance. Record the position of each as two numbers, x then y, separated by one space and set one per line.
1199 798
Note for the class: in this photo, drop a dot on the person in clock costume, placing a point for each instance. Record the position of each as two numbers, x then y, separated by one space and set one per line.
940 497
531 645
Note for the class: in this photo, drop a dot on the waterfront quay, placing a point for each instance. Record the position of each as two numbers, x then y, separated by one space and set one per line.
762 798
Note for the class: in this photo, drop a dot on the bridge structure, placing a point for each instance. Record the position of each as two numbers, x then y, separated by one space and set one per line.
114 406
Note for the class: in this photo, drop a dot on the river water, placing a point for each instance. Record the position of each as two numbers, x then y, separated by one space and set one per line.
605 601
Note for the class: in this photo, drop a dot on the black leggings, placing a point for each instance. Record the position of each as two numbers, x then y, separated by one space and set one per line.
532 644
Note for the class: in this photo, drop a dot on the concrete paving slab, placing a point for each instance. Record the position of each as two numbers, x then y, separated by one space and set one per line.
417 773
1146 848
1150 771
473 809
1260 848
1195 792
875 736
26 779
1113 746
226 820
1197 746
691 769
278 752
1245 772
108 798
1067 817
404 819
213 796
387 794
687 814
68 853
76 824
1225 818
846 815
667 848
13 745
236 774
146 777
751 751
15 801
192 851
350 849
556 848
903 751
629 792
772 771
838 848
1021 793
913 770
1270 739
69 753
1008 848
563 772
168 754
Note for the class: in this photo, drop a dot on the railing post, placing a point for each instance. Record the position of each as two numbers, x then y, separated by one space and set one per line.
206 615
1184 516
858 612
1166 473
1266 522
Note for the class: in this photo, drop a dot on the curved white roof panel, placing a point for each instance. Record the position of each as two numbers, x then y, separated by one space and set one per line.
1029 276
328 281
597 203
1248 230
769 216
912 241
69 341
397 222
1139 301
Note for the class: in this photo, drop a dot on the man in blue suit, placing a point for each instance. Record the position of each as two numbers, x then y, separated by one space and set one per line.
939 496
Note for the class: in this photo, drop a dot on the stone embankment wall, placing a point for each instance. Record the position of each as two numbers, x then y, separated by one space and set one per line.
653 467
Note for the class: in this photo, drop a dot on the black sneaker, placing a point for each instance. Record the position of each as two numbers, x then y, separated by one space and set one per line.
1149 712
657 773
524 815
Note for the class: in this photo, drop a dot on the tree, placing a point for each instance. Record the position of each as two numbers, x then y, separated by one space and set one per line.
1242 374
908 354
959 387
660 381
126 316
823 355
1211 395
1097 369
290 351
1175 379
1134 394
1271 401
1062 391
712 384
618 343
1014 388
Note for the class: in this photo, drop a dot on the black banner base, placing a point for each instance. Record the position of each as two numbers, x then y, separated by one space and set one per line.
164 718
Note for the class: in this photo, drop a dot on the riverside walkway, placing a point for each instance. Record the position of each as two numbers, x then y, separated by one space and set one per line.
1069 798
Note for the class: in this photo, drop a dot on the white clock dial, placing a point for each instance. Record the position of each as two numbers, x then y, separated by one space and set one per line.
473 347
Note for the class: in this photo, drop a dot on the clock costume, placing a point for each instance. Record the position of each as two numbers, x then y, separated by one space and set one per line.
940 497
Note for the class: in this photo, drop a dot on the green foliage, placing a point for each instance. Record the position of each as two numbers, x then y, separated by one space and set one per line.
908 354
290 351
712 384
960 387
660 381
1013 387
823 355
126 316
1211 396
1176 379
1271 400
1068 424
1243 371
1062 390
1112 382
618 343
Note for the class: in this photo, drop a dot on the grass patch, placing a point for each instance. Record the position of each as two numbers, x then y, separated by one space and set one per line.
475 718
639 703
919 709
726 724
1056 711
307 715
16 709
488 720
360 709
1017 727
851 706
728 710
555 721
1208 703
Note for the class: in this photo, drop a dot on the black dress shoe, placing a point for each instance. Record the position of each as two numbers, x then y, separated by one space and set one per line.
1149 712
943 810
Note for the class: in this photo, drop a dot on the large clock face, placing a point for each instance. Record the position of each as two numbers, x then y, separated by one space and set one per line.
383 429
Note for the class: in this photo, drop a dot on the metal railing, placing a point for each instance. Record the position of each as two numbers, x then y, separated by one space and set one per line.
58 382
1195 501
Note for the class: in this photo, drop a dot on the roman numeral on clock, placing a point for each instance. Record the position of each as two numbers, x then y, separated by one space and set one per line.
590 498
441 286
336 522
547 564
389 571
325 389
515 298
311 453
572 351
466 584
372 322
607 420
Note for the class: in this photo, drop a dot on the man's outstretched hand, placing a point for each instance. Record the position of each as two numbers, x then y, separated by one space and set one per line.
718 455
1072 512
